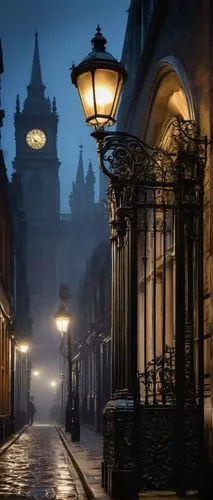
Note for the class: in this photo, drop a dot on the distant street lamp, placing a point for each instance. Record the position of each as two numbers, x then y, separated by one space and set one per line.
35 373
72 425
23 347
62 319
53 383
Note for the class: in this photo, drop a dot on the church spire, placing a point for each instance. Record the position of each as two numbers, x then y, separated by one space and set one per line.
54 107
17 104
36 102
36 78
77 196
90 183
79 182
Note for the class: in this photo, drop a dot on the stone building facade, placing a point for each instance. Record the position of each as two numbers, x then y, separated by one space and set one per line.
15 321
22 324
6 305
168 55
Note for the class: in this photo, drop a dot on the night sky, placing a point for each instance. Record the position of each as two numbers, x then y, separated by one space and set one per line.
65 29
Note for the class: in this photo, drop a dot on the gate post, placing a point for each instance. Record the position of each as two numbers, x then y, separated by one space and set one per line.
189 308
180 339
119 470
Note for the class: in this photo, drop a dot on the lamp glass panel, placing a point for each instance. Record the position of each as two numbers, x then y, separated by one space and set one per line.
106 82
115 105
62 324
85 89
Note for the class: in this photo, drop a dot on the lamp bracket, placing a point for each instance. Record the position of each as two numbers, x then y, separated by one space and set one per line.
126 159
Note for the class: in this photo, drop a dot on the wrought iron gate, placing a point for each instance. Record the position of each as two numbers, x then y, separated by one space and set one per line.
156 215
170 312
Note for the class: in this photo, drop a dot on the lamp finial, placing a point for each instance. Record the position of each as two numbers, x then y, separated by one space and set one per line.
99 41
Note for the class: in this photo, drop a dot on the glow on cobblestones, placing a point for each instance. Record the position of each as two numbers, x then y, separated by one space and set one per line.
37 467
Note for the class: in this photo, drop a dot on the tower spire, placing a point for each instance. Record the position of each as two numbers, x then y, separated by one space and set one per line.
77 196
36 78
79 182
17 104
90 183
36 102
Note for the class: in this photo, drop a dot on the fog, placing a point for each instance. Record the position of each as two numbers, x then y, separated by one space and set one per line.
57 249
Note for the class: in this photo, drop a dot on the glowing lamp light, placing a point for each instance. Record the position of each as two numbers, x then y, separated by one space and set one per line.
53 384
103 96
62 319
24 348
36 373
99 79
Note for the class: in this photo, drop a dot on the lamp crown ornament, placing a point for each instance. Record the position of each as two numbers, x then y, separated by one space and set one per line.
98 41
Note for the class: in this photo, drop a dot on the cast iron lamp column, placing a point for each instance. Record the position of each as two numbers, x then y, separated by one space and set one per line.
12 400
62 319
24 348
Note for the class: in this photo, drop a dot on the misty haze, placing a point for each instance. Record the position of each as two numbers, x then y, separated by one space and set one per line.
106 249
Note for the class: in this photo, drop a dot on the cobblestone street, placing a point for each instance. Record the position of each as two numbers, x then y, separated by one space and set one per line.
36 466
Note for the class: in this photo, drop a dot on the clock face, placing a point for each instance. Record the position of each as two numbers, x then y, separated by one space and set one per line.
36 138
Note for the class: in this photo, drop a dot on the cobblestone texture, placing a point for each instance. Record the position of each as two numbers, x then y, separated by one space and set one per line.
36 466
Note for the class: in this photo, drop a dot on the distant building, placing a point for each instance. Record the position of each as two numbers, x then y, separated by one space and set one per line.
58 244
6 290
22 326
92 353
15 320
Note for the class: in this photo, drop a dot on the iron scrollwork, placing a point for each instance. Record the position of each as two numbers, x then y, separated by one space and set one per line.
159 372
126 159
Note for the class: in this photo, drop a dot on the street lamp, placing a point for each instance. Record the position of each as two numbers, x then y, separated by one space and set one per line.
23 348
151 192
72 425
62 319
35 373
99 79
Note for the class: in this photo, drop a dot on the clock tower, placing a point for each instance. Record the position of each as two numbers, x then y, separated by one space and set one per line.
37 163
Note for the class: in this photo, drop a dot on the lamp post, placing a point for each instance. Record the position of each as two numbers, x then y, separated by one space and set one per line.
150 194
62 319
23 347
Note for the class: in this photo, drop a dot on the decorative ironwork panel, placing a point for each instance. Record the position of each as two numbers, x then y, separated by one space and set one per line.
192 430
108 434
157 448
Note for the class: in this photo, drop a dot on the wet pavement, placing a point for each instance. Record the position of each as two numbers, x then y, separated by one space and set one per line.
87 455
37 466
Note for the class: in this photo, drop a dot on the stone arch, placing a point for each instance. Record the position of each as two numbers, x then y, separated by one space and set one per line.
170 96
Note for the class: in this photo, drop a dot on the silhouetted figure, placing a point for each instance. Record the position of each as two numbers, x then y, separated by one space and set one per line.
31 412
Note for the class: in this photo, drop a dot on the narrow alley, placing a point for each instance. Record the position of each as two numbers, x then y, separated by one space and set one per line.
36 466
